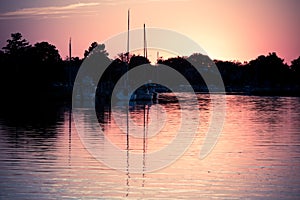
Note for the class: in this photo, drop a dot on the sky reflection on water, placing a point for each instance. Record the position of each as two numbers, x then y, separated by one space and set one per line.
257 155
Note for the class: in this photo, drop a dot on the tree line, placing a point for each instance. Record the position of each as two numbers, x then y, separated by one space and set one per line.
38 70
265 75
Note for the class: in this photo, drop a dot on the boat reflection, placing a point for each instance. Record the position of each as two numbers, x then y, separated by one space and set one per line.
138 112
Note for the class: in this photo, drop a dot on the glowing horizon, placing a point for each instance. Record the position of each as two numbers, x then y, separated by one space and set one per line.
227 30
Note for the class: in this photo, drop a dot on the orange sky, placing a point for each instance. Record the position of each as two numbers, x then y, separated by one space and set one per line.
225 29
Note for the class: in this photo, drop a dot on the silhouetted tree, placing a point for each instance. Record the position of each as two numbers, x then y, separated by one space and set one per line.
235 75
96 48
46 64
14 60
2 59
16 46
3 69
269 70
183 66
137 60
295 66
200 59
15 55
47 53
97 56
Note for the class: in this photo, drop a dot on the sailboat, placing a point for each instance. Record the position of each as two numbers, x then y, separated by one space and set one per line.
144 93
123 94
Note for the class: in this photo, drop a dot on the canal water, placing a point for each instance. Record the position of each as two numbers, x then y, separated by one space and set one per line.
257 154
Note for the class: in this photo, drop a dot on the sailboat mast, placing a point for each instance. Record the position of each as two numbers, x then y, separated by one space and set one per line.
70 49
128 25
70 109
70 60
145 43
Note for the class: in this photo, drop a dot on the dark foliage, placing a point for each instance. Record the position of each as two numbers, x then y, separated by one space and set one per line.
33 71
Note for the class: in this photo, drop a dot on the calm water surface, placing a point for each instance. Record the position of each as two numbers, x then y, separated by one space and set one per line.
257 155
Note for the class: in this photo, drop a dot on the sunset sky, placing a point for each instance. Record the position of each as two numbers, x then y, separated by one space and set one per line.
225 29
